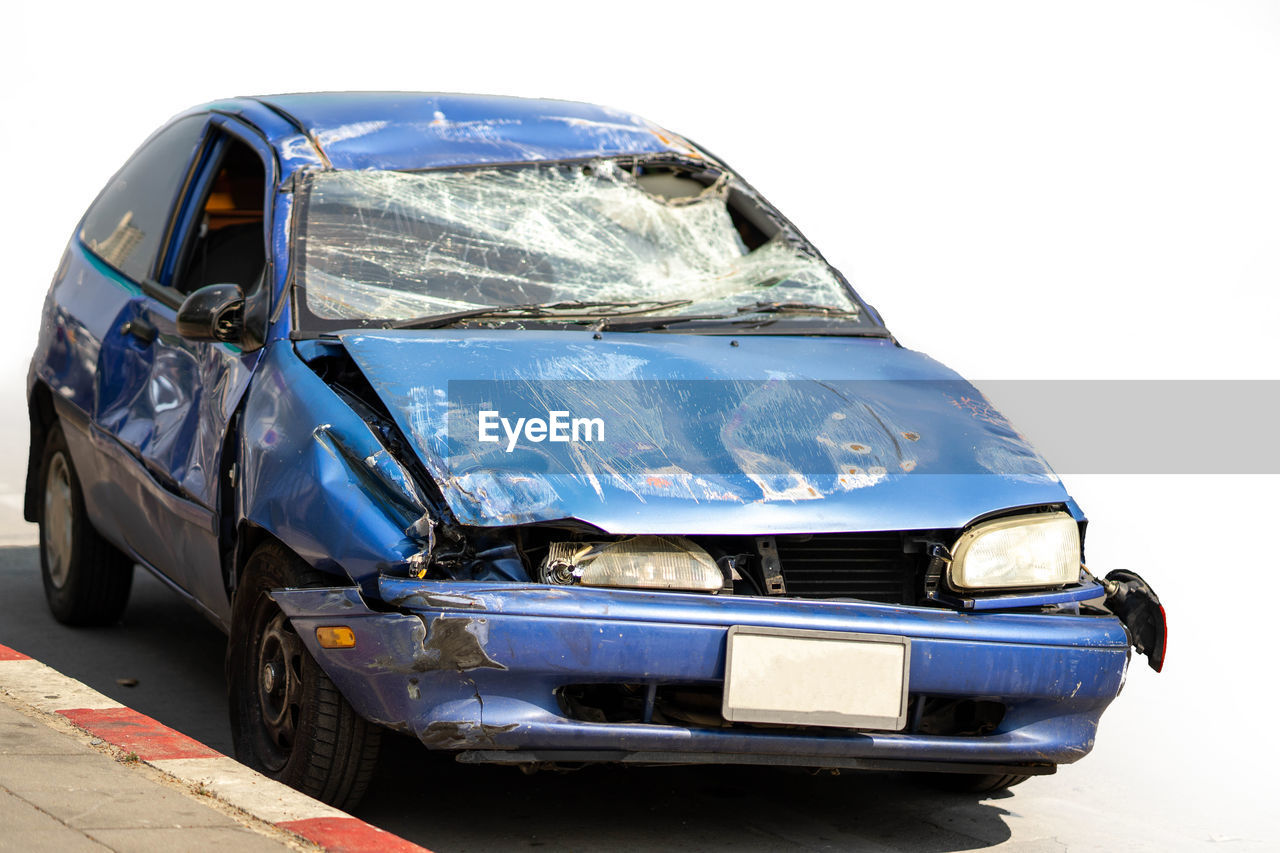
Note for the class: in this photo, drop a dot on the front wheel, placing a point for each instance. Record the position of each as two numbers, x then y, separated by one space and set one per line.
288 720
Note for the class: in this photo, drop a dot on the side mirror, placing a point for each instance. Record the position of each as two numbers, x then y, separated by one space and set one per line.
213 313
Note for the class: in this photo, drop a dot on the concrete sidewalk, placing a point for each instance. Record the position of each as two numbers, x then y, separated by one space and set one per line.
79 770
61 791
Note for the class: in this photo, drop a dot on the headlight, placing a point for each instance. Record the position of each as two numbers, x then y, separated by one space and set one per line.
641 562
1023 551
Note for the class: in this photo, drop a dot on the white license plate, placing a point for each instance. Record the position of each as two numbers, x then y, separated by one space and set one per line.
816 678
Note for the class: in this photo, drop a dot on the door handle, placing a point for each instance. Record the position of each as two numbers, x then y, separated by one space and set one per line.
140 329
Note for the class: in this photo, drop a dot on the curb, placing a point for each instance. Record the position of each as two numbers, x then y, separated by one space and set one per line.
44 689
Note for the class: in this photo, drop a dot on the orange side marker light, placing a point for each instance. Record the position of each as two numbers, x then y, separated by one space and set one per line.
336 637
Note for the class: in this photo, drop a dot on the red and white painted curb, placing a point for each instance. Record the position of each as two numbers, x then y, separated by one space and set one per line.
45 689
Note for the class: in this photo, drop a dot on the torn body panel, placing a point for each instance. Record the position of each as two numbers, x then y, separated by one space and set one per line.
467 666
315 476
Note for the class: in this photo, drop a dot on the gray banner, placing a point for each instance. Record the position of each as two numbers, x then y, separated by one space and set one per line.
871 428
1211 426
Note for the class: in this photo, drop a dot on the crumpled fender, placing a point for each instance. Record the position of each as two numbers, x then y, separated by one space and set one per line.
314 475
406 673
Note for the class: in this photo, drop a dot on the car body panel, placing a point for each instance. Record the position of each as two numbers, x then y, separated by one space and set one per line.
305 480
817 434
408 130
150 515
476 666
88 304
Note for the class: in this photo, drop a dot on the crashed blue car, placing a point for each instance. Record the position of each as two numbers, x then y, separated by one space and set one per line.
530 429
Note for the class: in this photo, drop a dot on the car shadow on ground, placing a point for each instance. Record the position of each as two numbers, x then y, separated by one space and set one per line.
176 659
697 808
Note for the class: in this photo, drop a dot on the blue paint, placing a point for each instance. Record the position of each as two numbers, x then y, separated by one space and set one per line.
304 478
914 445
153 436
1055 675
405 130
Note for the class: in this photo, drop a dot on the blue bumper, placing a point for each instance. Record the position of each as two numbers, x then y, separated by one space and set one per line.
477 666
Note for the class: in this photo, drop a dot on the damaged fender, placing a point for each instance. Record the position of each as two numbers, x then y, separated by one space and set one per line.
317 478
407 672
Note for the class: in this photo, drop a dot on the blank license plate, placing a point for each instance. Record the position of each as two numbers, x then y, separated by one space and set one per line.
816 678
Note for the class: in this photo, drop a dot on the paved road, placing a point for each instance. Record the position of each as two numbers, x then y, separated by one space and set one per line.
1177 764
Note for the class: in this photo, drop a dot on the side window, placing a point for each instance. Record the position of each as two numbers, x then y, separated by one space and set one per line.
127 223
227 244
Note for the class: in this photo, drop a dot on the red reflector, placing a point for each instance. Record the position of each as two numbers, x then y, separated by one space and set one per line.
1164 637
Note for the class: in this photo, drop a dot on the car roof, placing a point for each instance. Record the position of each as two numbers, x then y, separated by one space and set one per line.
423 130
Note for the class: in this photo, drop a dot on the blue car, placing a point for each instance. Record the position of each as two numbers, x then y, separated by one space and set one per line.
530 429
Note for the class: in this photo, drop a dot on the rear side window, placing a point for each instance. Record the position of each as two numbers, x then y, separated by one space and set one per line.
126 224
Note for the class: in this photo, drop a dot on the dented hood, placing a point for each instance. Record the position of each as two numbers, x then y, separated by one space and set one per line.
699 434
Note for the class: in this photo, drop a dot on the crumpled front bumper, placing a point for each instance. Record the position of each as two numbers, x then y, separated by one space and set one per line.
475 667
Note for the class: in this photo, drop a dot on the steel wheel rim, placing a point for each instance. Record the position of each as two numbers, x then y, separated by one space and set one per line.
278 677
57 521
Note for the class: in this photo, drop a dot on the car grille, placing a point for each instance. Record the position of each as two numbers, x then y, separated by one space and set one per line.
869 566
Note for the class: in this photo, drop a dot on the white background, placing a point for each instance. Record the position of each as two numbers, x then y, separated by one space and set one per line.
1025 190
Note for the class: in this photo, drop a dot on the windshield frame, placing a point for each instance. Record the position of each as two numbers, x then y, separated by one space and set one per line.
867 321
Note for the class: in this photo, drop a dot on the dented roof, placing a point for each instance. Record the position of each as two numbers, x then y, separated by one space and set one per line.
419 130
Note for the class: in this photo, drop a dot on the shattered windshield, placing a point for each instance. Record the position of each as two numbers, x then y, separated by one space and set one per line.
388 246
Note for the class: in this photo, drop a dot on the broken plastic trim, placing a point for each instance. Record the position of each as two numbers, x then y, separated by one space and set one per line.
1138 607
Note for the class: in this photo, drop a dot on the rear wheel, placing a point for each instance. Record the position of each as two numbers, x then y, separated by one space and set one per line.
86 578
288 720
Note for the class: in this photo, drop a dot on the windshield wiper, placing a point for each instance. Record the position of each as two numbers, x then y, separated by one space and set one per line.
738 318
557 310
798 308
638 323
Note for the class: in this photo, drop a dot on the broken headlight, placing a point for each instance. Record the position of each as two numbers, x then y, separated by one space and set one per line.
1022 551
641 562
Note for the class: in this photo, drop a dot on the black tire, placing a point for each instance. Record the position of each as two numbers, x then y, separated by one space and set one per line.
288 720
975 783
86 578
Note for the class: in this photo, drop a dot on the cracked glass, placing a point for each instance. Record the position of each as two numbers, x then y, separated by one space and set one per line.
396 245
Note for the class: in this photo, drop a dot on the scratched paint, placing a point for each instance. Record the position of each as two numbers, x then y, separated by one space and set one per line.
1055 675
834 446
